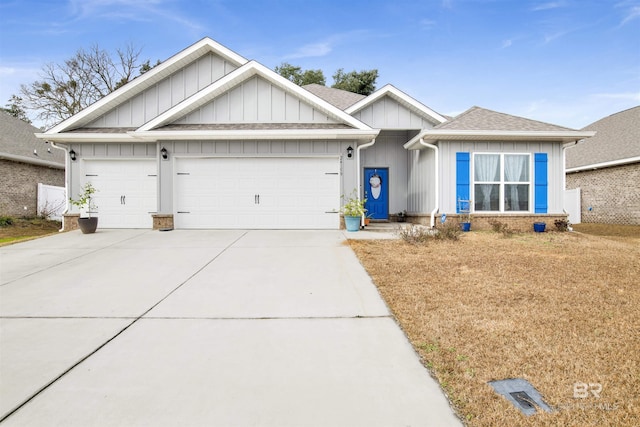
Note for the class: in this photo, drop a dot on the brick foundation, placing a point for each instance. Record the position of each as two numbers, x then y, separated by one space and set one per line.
516 222
162 221
70 221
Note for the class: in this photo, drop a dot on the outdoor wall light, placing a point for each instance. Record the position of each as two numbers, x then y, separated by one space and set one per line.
164 153
349 152
72 154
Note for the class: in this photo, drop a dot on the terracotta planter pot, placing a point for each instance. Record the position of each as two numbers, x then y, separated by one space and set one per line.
88 225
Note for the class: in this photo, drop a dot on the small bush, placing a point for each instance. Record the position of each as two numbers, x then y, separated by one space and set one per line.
6 221
561 224
417 234
501 227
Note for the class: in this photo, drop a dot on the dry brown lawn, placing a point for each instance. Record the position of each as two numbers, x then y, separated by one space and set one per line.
25 229
557 309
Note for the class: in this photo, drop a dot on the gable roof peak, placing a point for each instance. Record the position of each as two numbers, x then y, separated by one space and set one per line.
402 98
140 83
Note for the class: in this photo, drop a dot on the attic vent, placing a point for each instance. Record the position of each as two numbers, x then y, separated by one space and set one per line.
521 394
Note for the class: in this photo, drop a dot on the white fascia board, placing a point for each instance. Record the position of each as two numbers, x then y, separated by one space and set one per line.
234 78
399 96
147 79
433 135
86 137
602 165
258 134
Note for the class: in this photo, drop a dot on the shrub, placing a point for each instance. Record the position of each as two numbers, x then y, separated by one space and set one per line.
561 224
500 227
6 221
417 234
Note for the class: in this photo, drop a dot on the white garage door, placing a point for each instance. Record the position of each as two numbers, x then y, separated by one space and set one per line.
263 193
127 192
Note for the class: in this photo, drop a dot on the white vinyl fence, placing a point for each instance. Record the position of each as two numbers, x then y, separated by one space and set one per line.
572 205
52 201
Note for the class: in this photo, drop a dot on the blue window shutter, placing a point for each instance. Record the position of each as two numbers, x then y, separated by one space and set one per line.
462 177
540 182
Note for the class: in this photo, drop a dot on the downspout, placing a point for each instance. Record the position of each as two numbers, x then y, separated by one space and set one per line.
67 166
358 184
437 172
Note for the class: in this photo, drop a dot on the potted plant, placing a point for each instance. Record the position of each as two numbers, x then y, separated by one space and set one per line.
353 210
85 202
367 219
401 216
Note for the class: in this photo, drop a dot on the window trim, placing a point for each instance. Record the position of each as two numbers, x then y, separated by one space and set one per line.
501 183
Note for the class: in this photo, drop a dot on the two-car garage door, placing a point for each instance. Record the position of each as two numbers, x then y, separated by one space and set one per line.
262 193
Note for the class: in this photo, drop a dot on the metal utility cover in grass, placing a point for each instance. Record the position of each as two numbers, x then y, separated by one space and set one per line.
521 394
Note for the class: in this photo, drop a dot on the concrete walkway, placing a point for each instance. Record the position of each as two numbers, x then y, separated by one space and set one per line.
203 328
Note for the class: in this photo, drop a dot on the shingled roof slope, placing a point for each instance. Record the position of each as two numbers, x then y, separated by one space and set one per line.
476 118
17 140
617 138
337 97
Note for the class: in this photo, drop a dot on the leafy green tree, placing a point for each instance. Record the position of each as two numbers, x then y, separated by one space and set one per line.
299 77
68 87
15 107
363 82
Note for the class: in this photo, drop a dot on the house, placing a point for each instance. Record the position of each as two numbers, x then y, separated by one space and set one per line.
209 139
606 169
25 162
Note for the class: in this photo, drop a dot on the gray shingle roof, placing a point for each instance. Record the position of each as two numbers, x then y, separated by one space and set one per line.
336 97
617 137
476 118
18 141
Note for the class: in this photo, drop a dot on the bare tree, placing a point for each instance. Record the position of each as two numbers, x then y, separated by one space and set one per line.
66 88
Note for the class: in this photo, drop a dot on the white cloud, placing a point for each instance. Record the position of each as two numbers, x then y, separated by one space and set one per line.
312 50
324 47
632 13
548 6
623 96
427 23
507 43
129 10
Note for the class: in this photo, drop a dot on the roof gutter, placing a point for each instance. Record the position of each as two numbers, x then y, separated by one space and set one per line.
358 183
37 162
437 181
609 164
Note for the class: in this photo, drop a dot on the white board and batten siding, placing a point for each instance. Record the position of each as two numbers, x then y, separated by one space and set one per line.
449 149
256 100
257 192
127 190
167 93
387 113
572 205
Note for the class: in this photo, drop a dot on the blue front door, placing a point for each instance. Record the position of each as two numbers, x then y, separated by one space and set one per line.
376 191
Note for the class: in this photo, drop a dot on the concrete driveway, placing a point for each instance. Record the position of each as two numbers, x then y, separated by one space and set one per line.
203 328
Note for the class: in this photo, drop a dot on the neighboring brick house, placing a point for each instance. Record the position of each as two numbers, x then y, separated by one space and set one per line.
606 168
25 161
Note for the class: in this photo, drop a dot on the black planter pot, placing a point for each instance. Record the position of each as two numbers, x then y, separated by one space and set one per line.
88 225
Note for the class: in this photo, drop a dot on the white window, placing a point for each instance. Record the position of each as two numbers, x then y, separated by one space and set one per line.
501 182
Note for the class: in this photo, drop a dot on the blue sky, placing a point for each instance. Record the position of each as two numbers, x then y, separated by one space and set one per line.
568 62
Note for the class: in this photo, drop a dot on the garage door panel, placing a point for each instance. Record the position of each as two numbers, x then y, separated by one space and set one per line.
257 193
126 194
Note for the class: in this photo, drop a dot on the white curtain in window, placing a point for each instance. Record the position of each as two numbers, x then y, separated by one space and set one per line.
487 169
514 166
